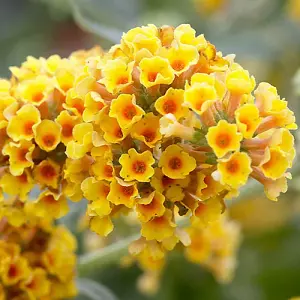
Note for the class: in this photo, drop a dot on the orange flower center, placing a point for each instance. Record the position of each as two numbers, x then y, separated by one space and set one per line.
37 97
106 190
149 135
273 160
118 133
32 284
28 128
22 155
108 171
13 271
139 167
151 205
22 178
67 130
199 104
178 65
166 181
232 166
170 106
159 220
65 87
247 123
200 209
48 172
223 140
175 163
49 199
122 80
129 112
100 105
152 76
78 105
127 190
49 140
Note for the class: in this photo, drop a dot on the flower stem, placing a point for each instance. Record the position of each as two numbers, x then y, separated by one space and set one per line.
104 257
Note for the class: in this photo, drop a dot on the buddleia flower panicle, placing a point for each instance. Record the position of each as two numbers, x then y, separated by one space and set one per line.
37 257
162 125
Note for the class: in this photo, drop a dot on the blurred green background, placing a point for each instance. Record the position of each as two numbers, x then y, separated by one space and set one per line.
265 36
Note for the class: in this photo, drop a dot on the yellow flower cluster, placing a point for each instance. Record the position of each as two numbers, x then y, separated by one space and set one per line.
39 107
213 247
162 125
37 259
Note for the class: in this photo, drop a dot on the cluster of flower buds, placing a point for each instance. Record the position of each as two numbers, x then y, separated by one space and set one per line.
37 259
162 125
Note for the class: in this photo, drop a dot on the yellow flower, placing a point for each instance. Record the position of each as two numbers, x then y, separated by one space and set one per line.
93 104
37 285
141 38
113 133
20 156
125 110
20 126
14 269
65 77
150 207
17 185
137 166
97 192
103 169
47 134
169 127
181 58
51 205
247 120
82 143
74 102
147 130
207 187
235 170
101 225
202 92
172 103
277 164
47 173
6 103
158 228
67 123
176 163
155 70
117 74
184 34
35 91
223 138
238 81
122 193
161 182
285 142
175 193
200 248
59 262
208 211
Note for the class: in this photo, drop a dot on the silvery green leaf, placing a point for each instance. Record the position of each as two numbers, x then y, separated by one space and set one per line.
91 290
